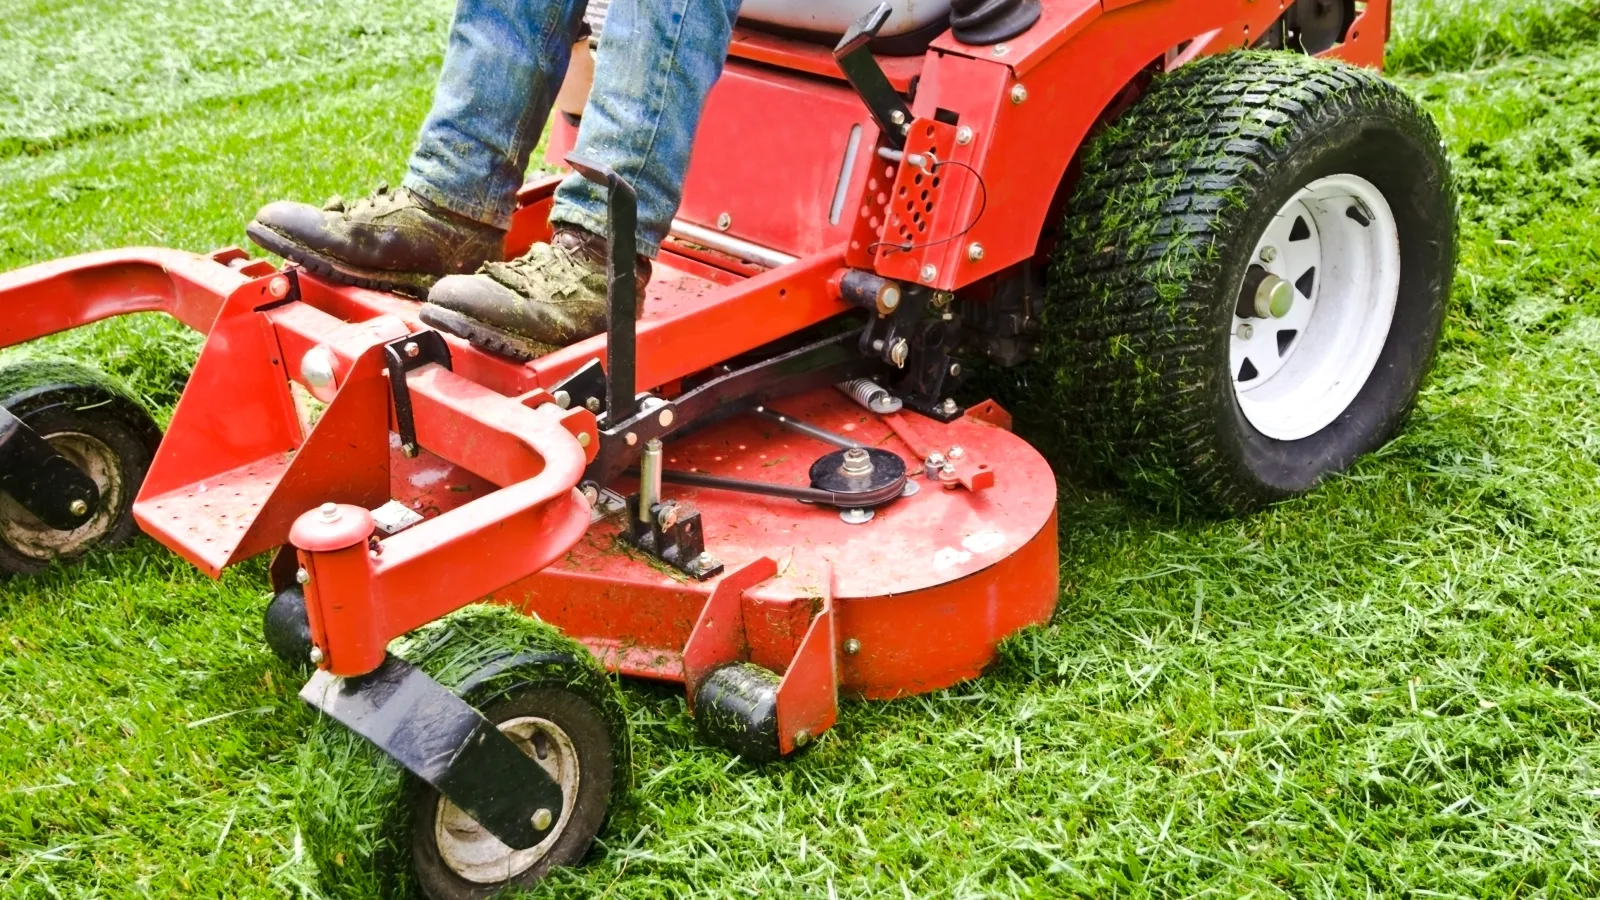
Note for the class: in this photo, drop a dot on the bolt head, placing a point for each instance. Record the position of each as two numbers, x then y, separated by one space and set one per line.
301 576
592 404
949 407
317 371
563 399
666 418
802 738
630 439
78 507
855 516
955 370
1018 93
278 287
411 349
591 494
964 135
317 656
329 512
897 117
705 560
1001 49
1246 331
852 647
724 222
955 453
584 439
1268 254
929 273
974 252
542 819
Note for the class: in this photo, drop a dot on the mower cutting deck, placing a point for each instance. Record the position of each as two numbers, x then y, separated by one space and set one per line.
764 486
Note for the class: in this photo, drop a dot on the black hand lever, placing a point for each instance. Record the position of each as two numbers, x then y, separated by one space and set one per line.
622 287
866 76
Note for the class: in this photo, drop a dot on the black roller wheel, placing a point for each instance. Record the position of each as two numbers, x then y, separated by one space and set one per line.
736 708
97 426
362 814
1251 280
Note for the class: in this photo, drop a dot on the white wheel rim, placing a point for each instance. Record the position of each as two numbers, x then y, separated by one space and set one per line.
478 856
25 533
1337 243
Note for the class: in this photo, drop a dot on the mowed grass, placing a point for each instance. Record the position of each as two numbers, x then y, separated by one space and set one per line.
1382 689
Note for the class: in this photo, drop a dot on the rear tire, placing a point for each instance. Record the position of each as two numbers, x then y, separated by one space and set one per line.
1177 207
92 421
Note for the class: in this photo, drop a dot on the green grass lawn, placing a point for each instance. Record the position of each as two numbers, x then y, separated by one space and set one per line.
1382 689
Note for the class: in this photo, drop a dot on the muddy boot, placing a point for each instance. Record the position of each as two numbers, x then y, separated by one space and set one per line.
390 241
551 296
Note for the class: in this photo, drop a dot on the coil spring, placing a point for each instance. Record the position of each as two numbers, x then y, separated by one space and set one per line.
871 395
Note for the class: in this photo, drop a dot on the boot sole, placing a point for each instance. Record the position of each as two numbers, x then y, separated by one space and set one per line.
495 340
411 284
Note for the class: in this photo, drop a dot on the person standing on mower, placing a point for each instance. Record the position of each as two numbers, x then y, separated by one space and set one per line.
440 235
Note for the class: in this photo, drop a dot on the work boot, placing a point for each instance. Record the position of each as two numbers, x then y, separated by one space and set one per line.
390 241
552 296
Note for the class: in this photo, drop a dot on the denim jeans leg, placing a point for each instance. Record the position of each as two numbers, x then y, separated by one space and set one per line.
502 68
657 62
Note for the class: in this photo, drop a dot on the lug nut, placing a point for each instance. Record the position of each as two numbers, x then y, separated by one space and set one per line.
1268 254
542 819
1246 331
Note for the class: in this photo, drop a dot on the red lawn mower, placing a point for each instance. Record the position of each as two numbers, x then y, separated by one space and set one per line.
1224 273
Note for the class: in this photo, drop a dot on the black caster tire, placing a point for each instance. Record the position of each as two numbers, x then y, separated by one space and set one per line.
96 424
1251 281
363 816
736 708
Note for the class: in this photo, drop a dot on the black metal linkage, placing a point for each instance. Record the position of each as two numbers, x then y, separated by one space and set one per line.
411 352
46 483
442 740
865 75
622 288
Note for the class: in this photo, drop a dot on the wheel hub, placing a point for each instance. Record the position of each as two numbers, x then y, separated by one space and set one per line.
1315 307
470 851
31 537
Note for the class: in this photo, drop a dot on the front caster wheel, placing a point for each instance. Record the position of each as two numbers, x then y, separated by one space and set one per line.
362 815
1251 281
100 429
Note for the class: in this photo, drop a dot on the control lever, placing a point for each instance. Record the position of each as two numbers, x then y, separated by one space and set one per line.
861 68
622 287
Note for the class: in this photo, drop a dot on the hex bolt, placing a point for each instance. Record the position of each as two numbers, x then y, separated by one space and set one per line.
330 512
955 370
542 819
278 287
964 135
412 350
302 576
949 407
78 507
801 738
563 399
897 117
1268 254
317 655
852 647
955 453
856 516
1246 331
1001 49
705 560
933 464
724 222
592 404
857 463
974 252
929 273
1018 93
947 476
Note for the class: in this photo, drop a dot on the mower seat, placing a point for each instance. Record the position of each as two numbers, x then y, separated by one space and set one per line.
912 25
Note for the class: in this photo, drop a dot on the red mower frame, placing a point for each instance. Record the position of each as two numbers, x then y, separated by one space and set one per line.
313 404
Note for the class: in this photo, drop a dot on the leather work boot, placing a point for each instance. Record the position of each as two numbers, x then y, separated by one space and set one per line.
552 296
390 241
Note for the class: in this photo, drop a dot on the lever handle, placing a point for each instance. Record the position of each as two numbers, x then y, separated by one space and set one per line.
622 291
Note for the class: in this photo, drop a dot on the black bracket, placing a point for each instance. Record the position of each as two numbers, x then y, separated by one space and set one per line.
861 68
46 483
622 286
673 535
442 740
586 387
411 352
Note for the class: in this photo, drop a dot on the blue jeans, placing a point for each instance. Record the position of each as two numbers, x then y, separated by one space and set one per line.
656 62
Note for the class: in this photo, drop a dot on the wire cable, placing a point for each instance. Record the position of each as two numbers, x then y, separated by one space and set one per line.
983 205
